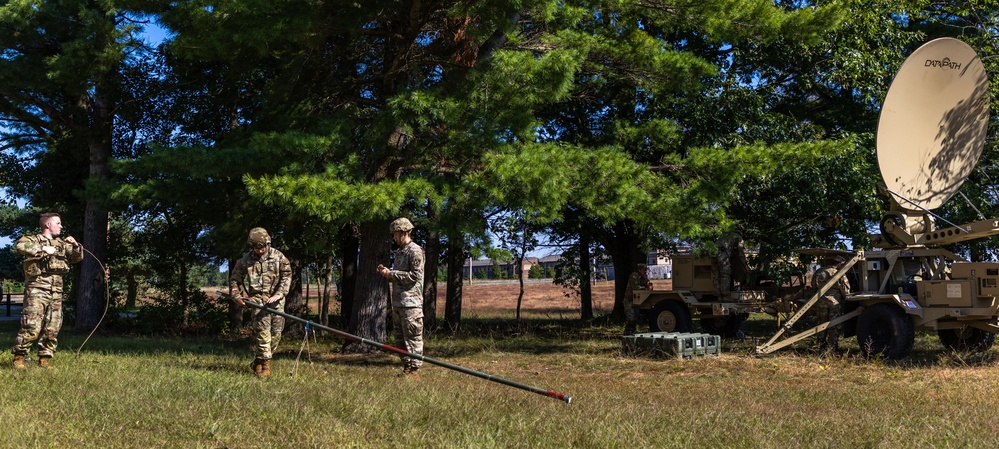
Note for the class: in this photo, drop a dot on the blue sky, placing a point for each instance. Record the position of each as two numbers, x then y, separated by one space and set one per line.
154 35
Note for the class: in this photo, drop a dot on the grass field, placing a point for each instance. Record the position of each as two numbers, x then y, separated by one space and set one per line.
171 392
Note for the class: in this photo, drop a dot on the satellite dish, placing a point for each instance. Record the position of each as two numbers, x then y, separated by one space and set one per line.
932 126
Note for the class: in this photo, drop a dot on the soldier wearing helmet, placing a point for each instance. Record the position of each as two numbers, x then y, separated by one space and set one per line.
262 275
406 279
639 280
401 225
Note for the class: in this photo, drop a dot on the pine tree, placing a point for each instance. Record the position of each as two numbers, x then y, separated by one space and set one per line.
67 72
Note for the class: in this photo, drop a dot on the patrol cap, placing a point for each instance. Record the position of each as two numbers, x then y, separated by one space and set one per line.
641 266
258 238
401 224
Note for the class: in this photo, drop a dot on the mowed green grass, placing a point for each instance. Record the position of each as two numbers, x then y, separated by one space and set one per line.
196 392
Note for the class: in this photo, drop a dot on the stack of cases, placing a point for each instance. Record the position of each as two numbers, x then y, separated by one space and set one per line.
681 345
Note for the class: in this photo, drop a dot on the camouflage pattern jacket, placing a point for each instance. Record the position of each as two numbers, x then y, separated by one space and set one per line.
261 276
842 286
407 276
42 270
635 282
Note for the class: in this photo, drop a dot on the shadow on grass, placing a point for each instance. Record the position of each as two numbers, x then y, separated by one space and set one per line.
477 335
101 341
927 351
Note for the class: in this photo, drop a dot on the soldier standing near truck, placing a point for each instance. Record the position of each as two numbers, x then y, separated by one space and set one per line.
730 249
830 306
639 280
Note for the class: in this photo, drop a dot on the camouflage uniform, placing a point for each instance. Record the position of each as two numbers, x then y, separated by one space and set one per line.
259 277
41 315
406 278
728 247
830 305
637 281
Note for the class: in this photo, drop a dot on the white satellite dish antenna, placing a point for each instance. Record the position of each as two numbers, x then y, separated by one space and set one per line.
933 122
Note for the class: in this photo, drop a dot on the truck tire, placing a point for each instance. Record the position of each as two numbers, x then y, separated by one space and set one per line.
850 326
884 330
670 316
726 326
966 339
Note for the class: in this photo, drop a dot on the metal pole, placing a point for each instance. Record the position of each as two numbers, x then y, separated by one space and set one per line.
385 347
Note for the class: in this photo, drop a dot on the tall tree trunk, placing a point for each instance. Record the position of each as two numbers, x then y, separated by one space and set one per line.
324 304
185 296
294 303
626 254
92 295
432 252
452 301
585 275
235 312
131 289
307 281
371 299
520 277
350 247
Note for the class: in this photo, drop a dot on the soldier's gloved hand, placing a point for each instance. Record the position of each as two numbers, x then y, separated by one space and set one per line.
50 250
240 300
273 299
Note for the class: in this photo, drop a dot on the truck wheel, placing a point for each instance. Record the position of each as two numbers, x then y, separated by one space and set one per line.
850 326
726 326
884 330
966 339
670 316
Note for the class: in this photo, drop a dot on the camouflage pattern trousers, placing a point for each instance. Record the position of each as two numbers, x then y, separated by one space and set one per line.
631 315
41 319
267 327
723 276
826 309
407 326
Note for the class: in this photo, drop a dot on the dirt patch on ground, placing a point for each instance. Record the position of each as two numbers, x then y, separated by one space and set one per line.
539 297
543 297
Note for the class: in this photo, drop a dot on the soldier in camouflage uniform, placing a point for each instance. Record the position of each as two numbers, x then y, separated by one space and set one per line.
830 306
730 247
639 280
46 259
262 275
406 278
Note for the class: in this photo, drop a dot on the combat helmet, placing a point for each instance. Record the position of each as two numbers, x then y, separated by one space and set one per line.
258 238
401 224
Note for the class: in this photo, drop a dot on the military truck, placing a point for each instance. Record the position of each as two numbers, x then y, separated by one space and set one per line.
931 133
695 295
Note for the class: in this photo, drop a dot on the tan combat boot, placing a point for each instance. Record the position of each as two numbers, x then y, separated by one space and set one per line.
410 372
265 369
43 361
19 362
257 366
